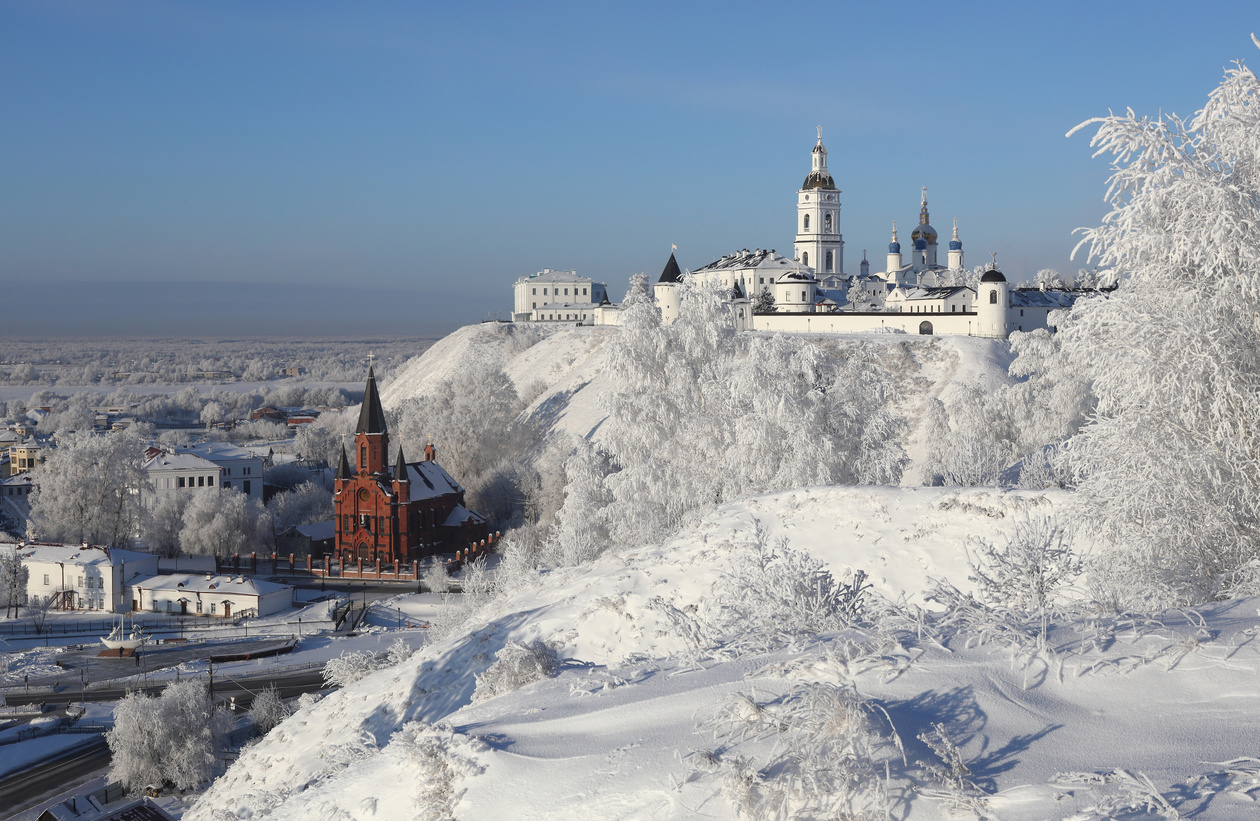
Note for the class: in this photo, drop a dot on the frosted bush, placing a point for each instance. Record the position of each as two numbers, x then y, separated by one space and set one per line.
442 759
352 666
435 578
268 710
1028 572
817 752
774 591
516 665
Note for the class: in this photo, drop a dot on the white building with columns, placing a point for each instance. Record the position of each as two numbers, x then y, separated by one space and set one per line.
557 296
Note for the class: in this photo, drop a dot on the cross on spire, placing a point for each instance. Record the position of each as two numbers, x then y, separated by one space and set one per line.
924 199
993 254
371 356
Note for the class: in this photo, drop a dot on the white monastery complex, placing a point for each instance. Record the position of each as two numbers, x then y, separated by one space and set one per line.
811 293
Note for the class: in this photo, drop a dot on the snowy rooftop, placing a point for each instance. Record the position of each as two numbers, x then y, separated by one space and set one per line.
548 275
204 583
217 451
921 293
429 480
1030 298
759 258
178 461
75 554
460 515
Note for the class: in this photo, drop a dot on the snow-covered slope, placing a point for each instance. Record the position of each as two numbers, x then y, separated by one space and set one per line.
563 371
672 701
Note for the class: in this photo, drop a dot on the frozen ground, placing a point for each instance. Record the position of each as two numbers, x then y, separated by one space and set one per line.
684 690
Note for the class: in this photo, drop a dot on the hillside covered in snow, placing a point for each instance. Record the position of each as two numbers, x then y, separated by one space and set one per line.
734 672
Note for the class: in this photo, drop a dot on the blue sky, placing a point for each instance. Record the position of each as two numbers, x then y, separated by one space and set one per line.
408 161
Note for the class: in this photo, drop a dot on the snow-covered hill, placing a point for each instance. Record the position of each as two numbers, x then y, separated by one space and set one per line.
563 370
689 685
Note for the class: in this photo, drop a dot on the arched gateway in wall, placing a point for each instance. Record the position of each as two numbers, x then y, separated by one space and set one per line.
925 328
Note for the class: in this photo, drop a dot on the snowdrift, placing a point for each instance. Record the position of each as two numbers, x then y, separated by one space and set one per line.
674 698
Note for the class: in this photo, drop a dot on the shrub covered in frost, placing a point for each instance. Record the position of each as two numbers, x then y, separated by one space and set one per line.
170 738
777 591
820 751
268 709
516 665
351 666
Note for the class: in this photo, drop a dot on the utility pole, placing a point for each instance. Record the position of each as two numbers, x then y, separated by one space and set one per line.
212 681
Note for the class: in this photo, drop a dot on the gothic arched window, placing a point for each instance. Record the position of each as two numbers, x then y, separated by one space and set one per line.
807 222
805 258
993 297
829 262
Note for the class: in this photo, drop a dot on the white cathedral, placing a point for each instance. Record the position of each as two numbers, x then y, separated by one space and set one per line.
810 293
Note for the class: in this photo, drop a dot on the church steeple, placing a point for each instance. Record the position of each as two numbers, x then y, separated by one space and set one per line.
371 415
371 436
819 243
955 250
343 468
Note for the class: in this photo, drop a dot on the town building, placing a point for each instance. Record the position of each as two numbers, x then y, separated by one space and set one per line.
26 455
557 296
81 577
398 514
208 594
207 465
242 468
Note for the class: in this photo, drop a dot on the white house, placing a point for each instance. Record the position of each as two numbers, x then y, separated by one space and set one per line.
208 465
81 577
170 473
557 296
242 467
183 594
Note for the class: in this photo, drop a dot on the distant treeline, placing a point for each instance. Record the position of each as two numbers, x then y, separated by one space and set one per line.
114 361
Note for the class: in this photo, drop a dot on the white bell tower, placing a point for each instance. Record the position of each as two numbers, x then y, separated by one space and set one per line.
818 241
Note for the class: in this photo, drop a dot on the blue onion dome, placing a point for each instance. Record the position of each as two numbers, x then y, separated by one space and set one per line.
919 243
955 245
894 247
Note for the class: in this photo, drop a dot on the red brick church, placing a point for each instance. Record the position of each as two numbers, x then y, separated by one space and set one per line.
401 514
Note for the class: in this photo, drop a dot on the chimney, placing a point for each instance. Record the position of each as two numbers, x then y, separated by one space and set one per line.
430 452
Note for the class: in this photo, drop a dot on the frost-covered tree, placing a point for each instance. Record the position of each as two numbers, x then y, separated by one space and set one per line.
88 490
13 579
305 504
171 738
224 522
474 422
763 302
1168 467
699 415
163 522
